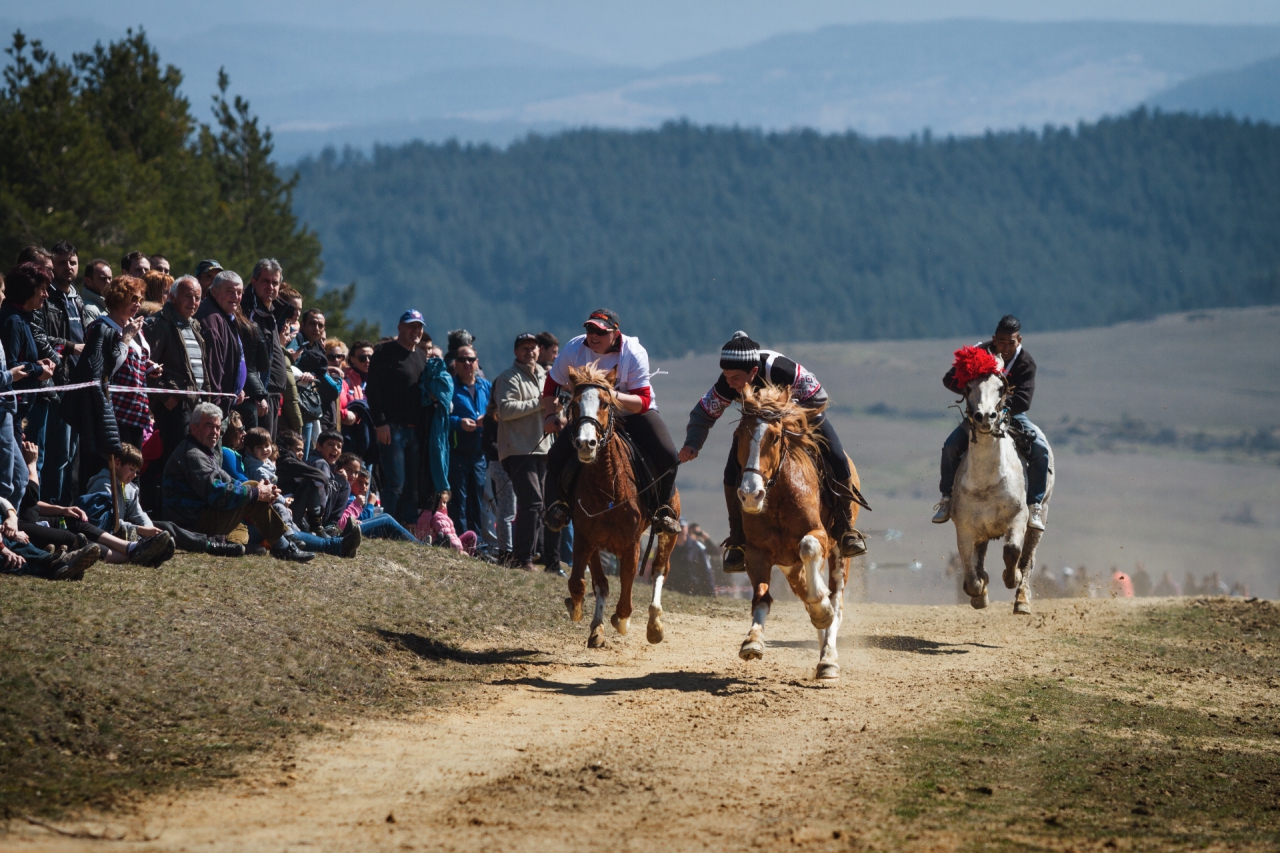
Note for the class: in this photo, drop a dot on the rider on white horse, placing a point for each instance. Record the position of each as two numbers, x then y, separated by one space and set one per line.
743 363
1020 368
604 346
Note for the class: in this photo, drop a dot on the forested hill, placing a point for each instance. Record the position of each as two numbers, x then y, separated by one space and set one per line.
693 232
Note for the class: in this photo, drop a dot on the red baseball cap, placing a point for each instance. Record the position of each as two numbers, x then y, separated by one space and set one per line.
604 319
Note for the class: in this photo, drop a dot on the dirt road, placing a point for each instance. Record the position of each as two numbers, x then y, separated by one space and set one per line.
663 748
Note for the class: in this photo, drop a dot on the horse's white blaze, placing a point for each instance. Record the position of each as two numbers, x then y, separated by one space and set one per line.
751 491
813 559
657 591
587 440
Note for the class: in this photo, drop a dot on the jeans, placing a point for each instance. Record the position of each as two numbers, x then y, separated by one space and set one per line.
467 476
383 526
500 507
13 468
953 449
331 545
56 453
310 432
400 474
527 474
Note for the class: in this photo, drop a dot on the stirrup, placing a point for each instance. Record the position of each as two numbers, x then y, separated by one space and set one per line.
557 516
735 558
664 519
853 543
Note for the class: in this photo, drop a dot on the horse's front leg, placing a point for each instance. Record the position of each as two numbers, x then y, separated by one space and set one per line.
600 585
828 655
753 646
1012 575
628 565
815 595
1022 598
972 555
577 586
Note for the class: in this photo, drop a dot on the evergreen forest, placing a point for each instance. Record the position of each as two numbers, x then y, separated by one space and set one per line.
692 232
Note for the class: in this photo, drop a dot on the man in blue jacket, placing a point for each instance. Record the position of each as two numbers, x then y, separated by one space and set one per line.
468 468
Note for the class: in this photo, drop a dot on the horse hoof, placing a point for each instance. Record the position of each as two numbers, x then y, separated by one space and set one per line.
620 625
654 633
1012 577
751 650
574 608
828 672
824 617
978 601
596 640
1022 608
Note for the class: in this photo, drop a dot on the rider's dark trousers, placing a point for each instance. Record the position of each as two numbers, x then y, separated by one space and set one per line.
651 438
1037 460
832 454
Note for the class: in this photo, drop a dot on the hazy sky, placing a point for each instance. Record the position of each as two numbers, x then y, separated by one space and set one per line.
640 31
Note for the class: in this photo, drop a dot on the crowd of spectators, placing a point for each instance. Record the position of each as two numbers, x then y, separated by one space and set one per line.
142 414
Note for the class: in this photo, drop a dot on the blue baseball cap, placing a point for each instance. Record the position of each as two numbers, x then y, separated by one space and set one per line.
413 316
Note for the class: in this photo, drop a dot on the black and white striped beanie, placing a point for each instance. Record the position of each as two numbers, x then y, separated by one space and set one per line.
741 353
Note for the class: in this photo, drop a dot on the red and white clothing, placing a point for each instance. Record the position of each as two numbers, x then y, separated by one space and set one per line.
628 357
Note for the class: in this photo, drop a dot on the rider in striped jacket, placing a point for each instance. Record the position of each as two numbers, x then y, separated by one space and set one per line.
743 363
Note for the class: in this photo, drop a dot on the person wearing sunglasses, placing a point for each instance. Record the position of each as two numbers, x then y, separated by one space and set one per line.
604 346
468 467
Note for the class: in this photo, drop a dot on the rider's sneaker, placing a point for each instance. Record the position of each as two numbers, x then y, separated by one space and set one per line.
853 544
1036 520
666 522
735 557
557 517
943 510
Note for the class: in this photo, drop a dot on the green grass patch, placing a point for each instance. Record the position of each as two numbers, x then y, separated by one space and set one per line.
134 681
1167 738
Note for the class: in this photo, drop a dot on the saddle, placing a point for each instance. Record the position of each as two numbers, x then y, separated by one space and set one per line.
640 467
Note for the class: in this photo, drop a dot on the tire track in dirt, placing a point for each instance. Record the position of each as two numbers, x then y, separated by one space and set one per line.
673 747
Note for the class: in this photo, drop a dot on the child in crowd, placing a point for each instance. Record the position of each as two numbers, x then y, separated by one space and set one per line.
436 527
233 435
363 506
287 452
260 466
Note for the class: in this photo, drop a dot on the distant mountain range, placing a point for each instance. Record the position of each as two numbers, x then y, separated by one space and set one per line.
318 87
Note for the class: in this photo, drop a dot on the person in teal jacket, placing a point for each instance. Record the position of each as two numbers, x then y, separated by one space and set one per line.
468 469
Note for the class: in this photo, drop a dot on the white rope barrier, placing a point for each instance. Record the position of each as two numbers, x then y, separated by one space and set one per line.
123 389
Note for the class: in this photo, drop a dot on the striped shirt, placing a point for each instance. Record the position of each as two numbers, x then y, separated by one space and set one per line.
193 353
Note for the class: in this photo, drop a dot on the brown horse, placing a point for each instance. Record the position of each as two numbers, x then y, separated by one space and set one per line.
607 511
784 520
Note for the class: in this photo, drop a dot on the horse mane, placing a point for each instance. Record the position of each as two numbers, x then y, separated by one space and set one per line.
773 403
592 375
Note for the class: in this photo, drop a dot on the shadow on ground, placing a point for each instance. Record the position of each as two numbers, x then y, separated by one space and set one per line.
437 650
889 643
682 682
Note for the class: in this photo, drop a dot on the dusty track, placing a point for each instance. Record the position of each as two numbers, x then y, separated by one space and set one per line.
663 748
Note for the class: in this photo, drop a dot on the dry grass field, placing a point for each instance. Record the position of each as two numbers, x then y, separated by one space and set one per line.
1124 493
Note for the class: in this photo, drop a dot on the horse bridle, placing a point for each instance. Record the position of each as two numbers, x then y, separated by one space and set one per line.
577 420
751 469
1000 428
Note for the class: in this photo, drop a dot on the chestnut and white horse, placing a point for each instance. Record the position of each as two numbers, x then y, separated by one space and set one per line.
989 499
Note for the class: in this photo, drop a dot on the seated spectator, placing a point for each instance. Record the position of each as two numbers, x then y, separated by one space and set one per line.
363 506
200 496
338 490
96 503
258 453
232 442
19 556
437 528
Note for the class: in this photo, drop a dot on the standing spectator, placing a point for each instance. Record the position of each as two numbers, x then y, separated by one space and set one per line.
13 468
156 292
312 359
358 368
522 446
206 271
177 345
159 263
456 340
257 364
290 410
96 278
335 352
468 469
294 299
224 354
63 321
263 305
436 388
26 289
135 264
499 497
548 349
396 406
129 363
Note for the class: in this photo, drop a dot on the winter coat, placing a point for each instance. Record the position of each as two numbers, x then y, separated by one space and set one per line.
88 410
194 481
170 351
469 444
436 386
518 390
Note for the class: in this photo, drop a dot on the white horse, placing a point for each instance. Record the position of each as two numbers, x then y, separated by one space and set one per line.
989 500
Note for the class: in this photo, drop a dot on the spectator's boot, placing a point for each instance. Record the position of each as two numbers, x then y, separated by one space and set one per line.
942 510
558 516
285 549
152 551
223 549
735 553
1035 519
71 565
351 539
665 521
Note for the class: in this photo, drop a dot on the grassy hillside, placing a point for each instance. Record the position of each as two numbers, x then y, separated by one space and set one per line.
692 232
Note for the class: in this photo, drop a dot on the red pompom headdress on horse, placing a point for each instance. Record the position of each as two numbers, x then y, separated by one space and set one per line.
972 363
